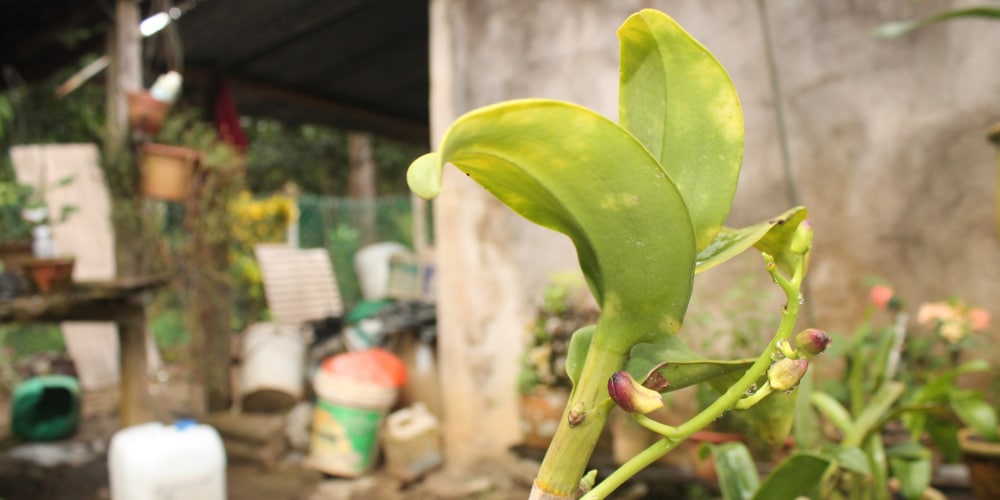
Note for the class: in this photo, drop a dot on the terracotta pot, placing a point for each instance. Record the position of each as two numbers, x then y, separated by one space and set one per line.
145 114
983 459
540 413
50 275
166 171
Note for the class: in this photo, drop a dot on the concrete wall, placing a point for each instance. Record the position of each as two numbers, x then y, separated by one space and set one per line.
886 140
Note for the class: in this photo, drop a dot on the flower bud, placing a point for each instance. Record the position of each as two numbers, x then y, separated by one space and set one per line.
786 373
803 238
632 396
811 341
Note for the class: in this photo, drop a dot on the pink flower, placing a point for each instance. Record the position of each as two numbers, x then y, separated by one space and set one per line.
979 319
881 295
932 312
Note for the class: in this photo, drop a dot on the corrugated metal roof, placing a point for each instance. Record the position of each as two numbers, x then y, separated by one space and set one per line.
355 64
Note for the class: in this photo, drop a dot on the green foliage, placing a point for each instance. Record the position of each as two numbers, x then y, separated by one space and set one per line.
315 158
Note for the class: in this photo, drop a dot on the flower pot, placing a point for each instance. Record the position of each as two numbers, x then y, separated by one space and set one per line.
50 275
145 114
541 410
983 459
166 171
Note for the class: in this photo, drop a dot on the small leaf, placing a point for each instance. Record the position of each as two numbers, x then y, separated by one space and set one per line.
796 476
576 354
681 366
772 236
738 478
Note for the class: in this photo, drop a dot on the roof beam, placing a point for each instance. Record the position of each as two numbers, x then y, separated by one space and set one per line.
385 124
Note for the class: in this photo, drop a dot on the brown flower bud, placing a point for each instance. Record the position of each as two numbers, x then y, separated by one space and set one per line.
631 395
786 373
811 341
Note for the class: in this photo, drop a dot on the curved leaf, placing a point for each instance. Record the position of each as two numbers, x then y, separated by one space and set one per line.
677 99
976 413
567 168
738 479
772 236
833 411
576 353
795 477
899 28
678 364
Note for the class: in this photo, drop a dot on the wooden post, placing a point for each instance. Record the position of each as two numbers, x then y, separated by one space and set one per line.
361 182
124 70
134 403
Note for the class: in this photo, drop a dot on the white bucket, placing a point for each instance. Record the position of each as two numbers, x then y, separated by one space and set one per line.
345 427
272 365
372 265
157 462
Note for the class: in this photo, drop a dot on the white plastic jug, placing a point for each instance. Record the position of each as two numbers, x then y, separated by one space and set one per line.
183 461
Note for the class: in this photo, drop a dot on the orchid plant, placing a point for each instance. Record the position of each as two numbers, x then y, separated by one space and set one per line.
644 201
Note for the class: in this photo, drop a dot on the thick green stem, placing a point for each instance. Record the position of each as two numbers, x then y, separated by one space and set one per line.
725 402
567 457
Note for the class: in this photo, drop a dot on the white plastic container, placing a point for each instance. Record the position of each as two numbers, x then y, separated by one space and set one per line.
371 263
271 369
154 461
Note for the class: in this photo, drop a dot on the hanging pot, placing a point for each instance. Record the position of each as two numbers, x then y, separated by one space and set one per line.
145 113
166 171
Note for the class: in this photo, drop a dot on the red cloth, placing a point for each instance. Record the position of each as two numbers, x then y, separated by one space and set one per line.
227 119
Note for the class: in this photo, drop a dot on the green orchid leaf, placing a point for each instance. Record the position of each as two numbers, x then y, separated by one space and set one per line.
976 413
795 477
677 99
851 458
873 412
569 169
738 479
911 464
899 28
874 450
678 364
772 236
805 424
835 412
576 353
